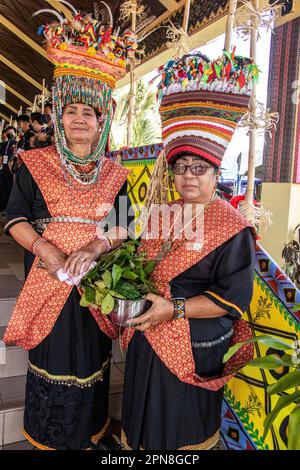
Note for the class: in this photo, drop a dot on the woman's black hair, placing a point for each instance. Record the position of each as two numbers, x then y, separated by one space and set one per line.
23 117
98 114
38 117
10 128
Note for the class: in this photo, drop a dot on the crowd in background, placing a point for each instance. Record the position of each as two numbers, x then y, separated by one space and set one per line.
33 131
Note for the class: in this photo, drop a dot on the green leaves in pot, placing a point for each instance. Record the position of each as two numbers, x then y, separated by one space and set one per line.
122 274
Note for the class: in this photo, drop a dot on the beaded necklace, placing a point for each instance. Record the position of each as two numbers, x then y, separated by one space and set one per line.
168 245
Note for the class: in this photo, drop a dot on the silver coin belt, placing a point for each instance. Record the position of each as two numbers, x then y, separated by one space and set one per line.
211 344
41 224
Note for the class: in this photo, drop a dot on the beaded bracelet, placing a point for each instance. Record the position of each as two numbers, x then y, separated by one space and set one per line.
179 308
37 243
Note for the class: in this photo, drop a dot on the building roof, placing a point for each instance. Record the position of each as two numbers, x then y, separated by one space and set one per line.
23 62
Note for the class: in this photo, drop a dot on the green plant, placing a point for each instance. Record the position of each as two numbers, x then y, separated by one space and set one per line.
290 381
146 127
121 274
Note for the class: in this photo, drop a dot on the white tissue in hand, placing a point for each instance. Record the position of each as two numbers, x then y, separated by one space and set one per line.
73 280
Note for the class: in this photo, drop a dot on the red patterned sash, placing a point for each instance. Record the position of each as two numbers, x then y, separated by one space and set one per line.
43 297
171 341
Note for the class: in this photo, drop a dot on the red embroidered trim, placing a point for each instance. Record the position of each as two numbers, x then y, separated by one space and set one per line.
195 150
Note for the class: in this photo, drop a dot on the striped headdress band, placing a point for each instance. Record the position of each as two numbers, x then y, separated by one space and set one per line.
202 102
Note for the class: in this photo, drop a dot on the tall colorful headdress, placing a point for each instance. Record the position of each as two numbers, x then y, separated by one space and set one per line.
89 59
202 102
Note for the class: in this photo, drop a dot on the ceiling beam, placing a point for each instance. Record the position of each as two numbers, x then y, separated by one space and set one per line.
9 106
208 31
61 8
16 93
3 116
160 19
12 28
171 5
20 72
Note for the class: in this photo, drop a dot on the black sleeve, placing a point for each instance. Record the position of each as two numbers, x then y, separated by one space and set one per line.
232 286
19 208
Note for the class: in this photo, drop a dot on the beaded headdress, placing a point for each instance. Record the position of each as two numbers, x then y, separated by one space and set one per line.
202 102
89 59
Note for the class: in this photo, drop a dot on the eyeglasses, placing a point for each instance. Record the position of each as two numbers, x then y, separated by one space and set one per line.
197 169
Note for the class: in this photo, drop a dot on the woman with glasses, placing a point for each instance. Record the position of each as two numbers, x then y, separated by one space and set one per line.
174 368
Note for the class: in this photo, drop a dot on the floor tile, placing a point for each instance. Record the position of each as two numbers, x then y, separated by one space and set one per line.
115 406
12 388
115 374
5 272
121 366
24 445
13 426
1 428
16 363
18 270
119 355
9 287
6 308
13 257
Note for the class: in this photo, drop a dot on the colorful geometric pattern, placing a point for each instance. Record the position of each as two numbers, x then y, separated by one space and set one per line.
140 161
202 122
233 432
83 47
281 156
246 402
202 102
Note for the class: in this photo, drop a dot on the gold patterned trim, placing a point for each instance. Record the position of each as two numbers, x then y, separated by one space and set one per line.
71 379
230 304
35 443
206 104
42 447
85 73
206 445
100 434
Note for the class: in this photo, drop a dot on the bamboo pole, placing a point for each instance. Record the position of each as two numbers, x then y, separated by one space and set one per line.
185 25
253 105
1 128
34 104
43 96
230 24
132 93
158 190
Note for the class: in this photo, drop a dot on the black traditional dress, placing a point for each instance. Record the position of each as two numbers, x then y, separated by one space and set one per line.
67 389
161 412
